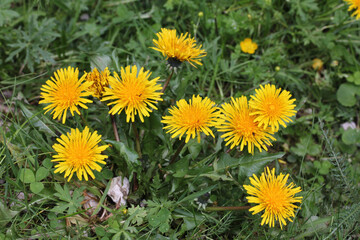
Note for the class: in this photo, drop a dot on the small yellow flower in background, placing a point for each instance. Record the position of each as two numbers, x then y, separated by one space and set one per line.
240 128
99 81
78 152
133 92
178 49
272 107
191 118
65 92
248 46
273 196
317 64
354 5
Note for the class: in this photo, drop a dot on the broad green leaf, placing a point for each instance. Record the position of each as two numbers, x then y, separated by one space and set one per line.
41 173
36 187
346 94
26 175
6 214
100 62
351 136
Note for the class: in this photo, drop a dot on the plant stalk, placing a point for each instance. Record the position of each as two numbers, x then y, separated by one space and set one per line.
113 122
231 208
173 159
167 81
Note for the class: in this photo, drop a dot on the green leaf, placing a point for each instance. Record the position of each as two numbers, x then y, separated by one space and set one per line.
41 173
355 78
100 62
26 175
194 148
47 163
346 94
36 187
34 120
351 136
181 167
306 146
130 155
6 214
161 220
248 164
196 194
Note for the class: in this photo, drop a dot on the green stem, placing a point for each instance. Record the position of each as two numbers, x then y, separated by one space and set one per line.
137 140
83 120
232 208
113 122
173 159
167 81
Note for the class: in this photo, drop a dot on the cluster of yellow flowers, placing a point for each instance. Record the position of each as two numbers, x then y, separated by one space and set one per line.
243 122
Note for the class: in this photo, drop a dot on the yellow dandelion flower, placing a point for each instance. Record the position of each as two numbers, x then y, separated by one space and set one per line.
65 92
178 49
248 46
99 81
240 128
272 194
354 5
79 152
272 107
191 118
132 92
317 64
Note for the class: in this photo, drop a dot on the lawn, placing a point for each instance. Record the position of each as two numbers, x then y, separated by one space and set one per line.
179 119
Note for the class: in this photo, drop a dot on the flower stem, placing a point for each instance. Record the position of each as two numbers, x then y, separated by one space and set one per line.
137 140
113 122
212 209
138 150
167 81
173 159
83 120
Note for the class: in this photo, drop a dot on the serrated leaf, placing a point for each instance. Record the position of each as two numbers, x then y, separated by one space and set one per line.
248 164
130 155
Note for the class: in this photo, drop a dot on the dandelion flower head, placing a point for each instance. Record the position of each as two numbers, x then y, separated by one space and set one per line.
191 118
133 92
99 81
78 152
317 64
240 127
248 46
272 107
272 194
65 92
178 49
354 5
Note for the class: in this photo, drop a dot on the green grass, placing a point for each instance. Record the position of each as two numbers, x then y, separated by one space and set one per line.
39 37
